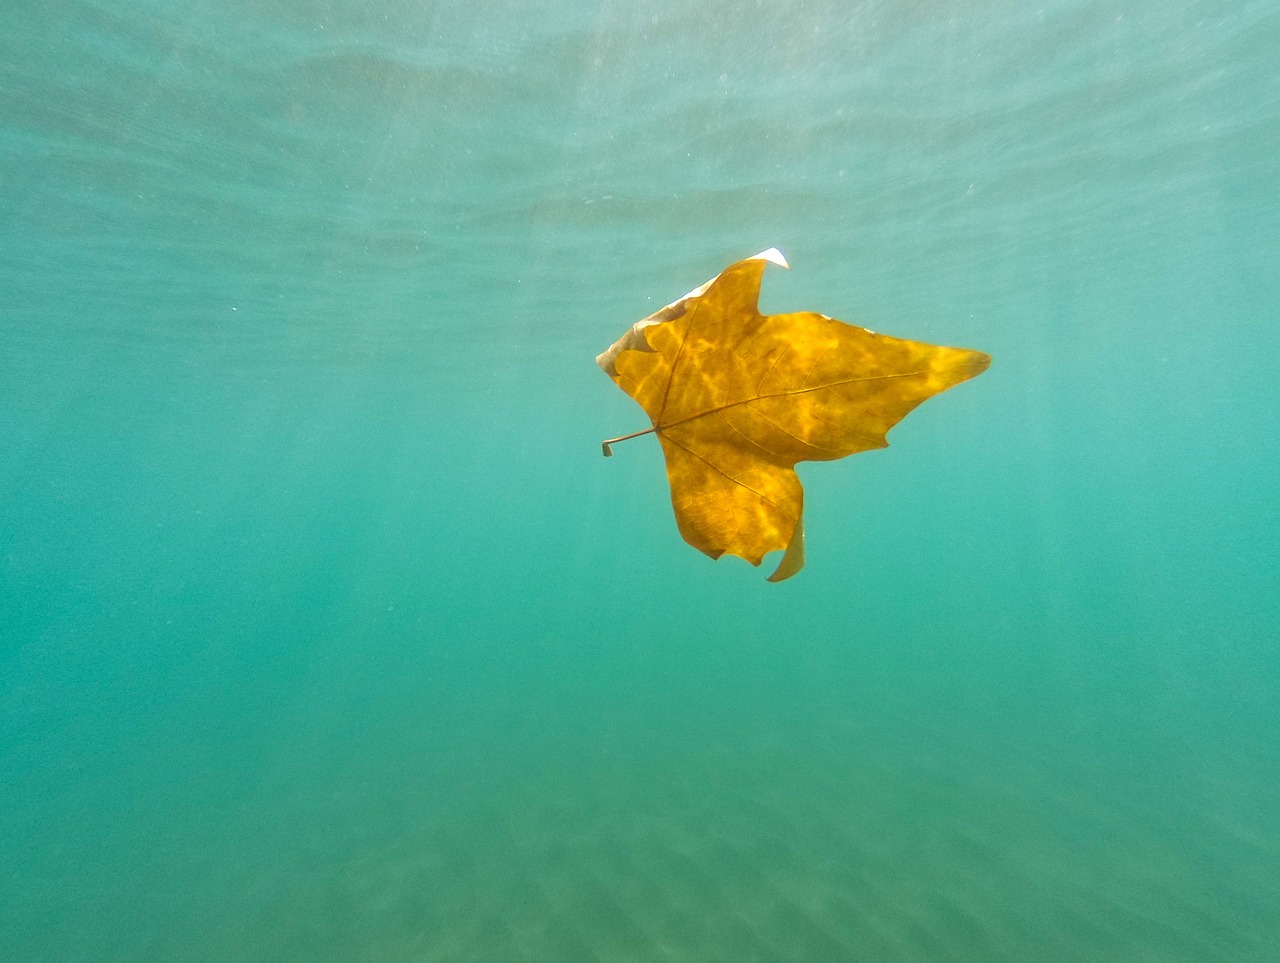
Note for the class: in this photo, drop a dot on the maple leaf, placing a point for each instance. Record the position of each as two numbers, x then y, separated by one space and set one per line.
737 398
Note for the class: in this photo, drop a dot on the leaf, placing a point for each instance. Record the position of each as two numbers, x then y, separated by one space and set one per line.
737 398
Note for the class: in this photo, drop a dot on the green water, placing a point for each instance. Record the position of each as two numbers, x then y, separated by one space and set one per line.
326 634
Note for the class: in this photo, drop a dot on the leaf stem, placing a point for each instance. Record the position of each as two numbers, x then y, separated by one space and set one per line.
607 445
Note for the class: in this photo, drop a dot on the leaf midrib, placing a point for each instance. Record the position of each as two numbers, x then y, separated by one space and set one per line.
778 394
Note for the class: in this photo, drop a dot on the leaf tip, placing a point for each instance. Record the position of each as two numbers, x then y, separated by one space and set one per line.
773 256
793 558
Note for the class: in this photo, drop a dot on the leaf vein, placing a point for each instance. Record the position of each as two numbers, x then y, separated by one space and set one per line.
720 471
785 394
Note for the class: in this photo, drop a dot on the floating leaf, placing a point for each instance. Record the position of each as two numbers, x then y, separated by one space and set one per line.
737 398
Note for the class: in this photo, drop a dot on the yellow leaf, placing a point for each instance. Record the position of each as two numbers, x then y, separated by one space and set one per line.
737 398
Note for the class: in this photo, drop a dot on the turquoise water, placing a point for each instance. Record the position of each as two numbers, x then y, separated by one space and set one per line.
326 634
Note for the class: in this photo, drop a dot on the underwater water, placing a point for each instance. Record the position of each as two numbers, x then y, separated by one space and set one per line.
327 634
